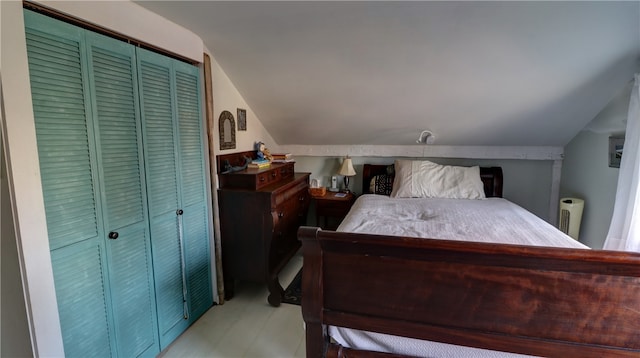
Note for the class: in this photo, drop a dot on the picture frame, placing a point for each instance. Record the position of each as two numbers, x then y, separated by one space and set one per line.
242 119
227 131
616 146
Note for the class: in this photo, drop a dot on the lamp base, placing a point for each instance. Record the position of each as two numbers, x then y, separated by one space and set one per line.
346 185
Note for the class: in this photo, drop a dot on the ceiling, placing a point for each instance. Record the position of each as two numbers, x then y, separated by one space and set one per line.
474 73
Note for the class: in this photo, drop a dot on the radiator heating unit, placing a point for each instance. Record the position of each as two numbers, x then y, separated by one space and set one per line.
571 216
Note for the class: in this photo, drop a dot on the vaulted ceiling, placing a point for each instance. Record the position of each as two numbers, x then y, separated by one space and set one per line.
474 73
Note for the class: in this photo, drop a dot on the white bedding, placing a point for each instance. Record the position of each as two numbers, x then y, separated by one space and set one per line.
490 220
494 220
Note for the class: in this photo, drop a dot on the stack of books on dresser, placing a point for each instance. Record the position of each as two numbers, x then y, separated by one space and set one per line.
282 158
259 163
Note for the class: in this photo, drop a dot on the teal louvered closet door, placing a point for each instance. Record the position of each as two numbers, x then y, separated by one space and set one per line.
173 144
194 192
161 164
68 169
120 145
113 81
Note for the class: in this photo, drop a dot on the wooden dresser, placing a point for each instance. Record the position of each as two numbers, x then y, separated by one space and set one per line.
260 212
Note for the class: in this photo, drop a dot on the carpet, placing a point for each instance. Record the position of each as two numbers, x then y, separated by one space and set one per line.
293 293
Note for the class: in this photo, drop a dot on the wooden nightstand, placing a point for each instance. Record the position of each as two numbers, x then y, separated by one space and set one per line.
331 206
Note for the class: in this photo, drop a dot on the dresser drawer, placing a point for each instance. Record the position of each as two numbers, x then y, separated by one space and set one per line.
299 191
266 178
256 179
273 175
286 171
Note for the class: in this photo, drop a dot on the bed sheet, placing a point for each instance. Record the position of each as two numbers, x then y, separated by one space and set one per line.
490 220
494 220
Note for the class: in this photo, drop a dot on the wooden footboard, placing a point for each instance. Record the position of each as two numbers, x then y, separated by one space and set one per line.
552 302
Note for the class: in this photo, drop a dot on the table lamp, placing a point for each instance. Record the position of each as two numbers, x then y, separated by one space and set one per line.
347 171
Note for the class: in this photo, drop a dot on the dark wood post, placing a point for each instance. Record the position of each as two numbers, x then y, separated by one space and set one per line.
312 294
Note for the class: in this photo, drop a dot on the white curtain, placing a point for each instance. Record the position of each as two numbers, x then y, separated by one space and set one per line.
624 232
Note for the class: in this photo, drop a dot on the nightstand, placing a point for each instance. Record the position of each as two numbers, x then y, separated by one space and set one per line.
331 206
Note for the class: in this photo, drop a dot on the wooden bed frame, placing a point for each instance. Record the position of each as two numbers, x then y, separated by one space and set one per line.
553 302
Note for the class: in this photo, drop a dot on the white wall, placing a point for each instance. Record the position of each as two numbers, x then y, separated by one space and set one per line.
227 98
135 22
15 340
526 182
586 173
534 177
25 188
14 327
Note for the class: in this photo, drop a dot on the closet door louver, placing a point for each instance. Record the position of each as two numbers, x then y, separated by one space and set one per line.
113 82
158 113
67 166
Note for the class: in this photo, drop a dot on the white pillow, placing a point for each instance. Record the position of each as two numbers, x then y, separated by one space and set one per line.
424 179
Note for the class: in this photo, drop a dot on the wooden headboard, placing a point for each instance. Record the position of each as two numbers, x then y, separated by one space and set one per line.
491 178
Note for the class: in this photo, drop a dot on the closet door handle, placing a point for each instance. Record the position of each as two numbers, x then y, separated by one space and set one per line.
179 212
113 235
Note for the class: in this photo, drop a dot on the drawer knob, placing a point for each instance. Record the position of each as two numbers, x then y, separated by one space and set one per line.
281 214
301 198
273 174
262 178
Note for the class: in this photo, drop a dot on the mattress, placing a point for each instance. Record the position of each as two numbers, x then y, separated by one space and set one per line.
494 220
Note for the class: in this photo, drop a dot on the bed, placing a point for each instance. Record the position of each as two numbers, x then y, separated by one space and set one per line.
532 300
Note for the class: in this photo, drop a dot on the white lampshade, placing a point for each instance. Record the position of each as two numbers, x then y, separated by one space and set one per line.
347 168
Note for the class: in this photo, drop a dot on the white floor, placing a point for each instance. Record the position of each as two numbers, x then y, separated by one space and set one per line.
246 326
